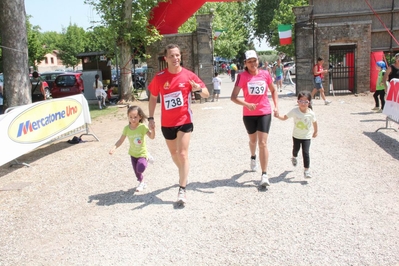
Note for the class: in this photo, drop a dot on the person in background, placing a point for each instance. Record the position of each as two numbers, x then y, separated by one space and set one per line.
136 131
255 83
38 92
305 127
233 70
380 87
112 98
99 90
174 85
392 71
217 84
318 75
1 98
278 73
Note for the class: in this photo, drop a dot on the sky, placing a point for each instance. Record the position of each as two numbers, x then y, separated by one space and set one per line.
53 15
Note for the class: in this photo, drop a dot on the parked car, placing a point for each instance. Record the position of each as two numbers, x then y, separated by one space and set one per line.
67 84
290 66
49 77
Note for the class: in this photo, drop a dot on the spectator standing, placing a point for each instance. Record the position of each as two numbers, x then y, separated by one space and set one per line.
233 70
38 92
255 83
174 85
1 98
278 73
380 87
217 85
99 90
392 71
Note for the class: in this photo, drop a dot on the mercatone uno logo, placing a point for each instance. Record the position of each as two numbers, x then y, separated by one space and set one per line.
44 120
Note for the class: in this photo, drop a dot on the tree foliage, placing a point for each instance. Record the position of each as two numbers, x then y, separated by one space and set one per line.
264 14
36 49
237 28
284 15
72 43
128 25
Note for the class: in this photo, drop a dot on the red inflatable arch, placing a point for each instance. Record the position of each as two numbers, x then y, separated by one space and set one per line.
169 16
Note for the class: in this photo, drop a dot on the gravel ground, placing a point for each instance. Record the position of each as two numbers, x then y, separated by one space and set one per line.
76 204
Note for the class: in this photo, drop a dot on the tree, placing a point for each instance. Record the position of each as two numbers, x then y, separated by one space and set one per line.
264 14
36 49
127 21
284 15
236 36
51 40
73 42
15 52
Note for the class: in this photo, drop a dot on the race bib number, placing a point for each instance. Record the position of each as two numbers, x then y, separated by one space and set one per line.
173 100
257 87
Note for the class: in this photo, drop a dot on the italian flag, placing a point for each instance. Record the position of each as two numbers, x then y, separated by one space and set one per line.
284 33
217 34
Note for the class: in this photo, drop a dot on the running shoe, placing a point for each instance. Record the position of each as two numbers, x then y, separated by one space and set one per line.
141 187
150 159
327 102
181 196
307 174
379 111
264 181
254 165
294 161
376 108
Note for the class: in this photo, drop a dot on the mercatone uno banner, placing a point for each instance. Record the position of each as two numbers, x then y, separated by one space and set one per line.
27 127
391 107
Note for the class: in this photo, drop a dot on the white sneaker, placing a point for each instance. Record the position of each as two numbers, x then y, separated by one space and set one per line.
150 159
254 165
181 196
307 174
376 108
264 181
141 186
327 102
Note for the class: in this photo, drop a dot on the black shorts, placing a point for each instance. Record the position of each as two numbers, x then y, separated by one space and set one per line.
257 123
170 133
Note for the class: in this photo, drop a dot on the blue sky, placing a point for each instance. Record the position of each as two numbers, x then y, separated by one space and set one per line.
53 15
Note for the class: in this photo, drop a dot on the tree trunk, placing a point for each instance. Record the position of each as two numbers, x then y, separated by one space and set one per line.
126 60
17 85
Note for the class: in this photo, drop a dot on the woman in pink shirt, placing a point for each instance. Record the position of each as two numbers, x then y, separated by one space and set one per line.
255 83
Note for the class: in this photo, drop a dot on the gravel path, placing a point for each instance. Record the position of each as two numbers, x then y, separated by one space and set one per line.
76 204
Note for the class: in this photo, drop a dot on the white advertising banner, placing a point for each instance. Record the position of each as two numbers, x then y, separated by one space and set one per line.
27 127
391 108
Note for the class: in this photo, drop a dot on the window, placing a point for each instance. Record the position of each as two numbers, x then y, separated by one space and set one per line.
52 60
45 60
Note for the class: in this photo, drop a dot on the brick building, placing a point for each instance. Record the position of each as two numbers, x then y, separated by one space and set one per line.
349 36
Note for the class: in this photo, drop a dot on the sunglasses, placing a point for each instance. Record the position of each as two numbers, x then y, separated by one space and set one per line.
303 102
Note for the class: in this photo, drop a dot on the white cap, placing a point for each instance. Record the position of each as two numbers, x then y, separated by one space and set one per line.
250 54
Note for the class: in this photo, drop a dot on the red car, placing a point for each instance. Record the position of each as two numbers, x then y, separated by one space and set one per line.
67 84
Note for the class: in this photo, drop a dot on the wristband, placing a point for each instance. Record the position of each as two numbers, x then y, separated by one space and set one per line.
150 118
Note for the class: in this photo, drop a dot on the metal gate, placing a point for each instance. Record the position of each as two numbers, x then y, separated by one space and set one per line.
342 69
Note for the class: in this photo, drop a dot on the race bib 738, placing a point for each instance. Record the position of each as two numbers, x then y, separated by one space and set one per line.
173 100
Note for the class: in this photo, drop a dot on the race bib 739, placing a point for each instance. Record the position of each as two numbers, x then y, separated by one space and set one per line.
256 87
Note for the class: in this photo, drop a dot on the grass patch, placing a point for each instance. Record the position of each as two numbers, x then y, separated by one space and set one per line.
95 112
